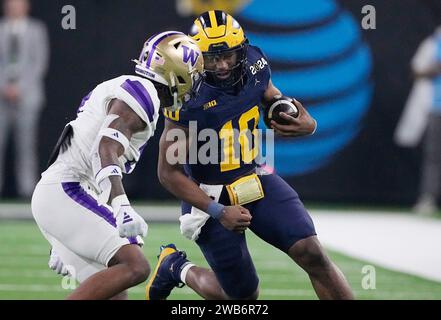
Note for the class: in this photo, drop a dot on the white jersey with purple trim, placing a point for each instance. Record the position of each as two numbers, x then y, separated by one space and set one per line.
75 163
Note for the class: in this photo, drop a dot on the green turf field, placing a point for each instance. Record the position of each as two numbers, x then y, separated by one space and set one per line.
24 273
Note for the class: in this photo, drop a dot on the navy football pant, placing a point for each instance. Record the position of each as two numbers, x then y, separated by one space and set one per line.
279 219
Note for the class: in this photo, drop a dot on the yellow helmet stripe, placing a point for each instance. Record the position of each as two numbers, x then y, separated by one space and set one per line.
213 19
229 23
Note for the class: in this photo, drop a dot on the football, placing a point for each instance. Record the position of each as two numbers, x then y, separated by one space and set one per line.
277 105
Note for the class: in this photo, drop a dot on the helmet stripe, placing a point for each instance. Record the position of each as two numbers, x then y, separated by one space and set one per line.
213 19
156 40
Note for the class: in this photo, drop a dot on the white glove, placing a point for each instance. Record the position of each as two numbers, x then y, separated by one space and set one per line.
129 223
56 264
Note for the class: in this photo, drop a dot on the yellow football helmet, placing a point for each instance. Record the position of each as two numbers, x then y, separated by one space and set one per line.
218 33
174 63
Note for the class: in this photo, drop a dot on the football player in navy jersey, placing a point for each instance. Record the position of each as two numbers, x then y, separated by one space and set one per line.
221 199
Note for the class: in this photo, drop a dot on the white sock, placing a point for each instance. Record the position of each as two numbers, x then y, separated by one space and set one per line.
185 269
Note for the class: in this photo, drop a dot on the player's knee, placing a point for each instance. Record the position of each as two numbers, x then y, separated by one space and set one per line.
139 271
135 264
243 292
310 255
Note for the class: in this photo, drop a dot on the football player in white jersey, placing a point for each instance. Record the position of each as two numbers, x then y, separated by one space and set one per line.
79 204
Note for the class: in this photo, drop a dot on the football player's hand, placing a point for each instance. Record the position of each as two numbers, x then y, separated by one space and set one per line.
304 124
129 223
235 218
56 264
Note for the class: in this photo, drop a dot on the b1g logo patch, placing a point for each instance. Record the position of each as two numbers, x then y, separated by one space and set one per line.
258 65
210 104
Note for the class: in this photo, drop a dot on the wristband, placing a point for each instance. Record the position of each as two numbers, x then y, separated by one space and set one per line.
118 202
215 209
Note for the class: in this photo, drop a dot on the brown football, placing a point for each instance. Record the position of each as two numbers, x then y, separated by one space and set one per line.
277 105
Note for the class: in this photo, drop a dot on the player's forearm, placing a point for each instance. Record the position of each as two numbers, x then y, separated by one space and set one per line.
176 182
109 153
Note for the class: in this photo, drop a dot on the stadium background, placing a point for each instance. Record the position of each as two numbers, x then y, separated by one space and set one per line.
364 167
110 33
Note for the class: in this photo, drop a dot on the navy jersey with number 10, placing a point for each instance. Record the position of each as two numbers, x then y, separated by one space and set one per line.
228 114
